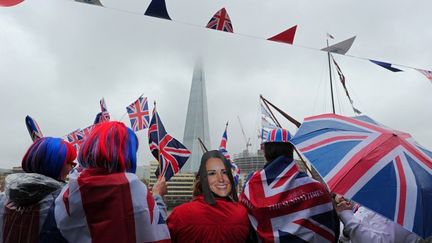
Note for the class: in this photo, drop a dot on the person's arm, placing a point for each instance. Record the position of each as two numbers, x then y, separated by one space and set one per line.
160 189
355 230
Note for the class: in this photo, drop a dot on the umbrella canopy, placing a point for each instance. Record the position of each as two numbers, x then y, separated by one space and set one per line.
381 168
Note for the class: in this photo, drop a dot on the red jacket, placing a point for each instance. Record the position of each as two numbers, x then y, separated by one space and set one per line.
198 221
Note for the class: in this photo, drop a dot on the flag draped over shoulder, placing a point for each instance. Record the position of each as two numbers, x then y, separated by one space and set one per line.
157 8
33 128
139 114
98 207
9 3
285 205
170 153
221 21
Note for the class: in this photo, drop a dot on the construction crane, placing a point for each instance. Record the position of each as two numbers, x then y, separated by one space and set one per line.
247 140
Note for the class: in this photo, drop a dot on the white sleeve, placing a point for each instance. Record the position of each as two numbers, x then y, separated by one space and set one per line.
359 233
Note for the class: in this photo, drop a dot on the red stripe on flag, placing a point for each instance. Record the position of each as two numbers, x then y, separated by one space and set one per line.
403 191
107 203
322 232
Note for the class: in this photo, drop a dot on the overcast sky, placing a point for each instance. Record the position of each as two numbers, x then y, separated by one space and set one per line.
58 58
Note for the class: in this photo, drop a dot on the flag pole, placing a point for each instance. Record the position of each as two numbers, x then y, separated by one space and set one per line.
157 133
203 147
288 117
271 113
331 81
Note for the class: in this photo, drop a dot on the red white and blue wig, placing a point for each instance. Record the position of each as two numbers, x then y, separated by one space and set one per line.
112 146
47 156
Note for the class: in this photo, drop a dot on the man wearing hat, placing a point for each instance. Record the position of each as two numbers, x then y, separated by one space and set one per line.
285 204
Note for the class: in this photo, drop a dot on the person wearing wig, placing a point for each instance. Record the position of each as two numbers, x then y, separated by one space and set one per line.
214 215
285 204
106 202
28 197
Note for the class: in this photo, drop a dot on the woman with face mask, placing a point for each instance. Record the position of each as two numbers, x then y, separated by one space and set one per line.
214 215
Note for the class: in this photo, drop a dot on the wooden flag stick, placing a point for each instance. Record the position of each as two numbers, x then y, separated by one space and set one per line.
288 117
203 147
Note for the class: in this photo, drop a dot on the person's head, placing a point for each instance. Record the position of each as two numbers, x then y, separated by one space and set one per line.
52 157
112 146
215 178
277 143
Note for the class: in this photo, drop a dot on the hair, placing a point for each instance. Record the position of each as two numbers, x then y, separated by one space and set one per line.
112 146
274 150
201 185
47 156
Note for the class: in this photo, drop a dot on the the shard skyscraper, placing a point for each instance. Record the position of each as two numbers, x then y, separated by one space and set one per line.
197 125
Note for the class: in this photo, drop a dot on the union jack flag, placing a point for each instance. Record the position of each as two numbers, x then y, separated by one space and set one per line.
426 73
75 138
223 145
33 128
170 153
285 205
139 114
372 164
86 131
220 21
105 116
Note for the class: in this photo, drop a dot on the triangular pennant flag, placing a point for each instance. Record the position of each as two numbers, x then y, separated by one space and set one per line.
426 73
157 8
286 36
341 47
9 3
386 65
221 21
95 2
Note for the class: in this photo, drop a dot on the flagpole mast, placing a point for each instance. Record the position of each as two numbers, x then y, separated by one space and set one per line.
331 81
157 133
288 117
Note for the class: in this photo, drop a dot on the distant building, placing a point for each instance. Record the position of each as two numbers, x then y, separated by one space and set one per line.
197 125
249 162
143 172
180 186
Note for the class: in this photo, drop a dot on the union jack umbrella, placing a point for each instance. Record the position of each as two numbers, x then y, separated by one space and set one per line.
139 114
220 21
33 128
170 153
381 168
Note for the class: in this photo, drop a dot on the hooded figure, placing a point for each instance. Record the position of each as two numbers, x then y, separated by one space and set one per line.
285 204
106 201
214 215
28 196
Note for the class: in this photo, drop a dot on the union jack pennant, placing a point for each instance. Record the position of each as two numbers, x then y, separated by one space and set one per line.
139 114
170 153
86 131
33 128
220 21
105 114
426 73
267 122
373 165
75 138
285 205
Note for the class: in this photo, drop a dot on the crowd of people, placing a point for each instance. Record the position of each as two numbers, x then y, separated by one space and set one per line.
104 201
